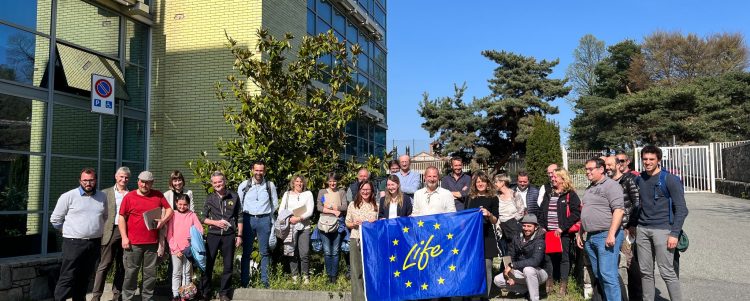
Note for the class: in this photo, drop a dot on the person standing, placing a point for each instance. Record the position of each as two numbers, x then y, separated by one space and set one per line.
663 213
221 213
510 211
601 217
178 237
544 189
177 187
111 250
332 206
364 209
393 204
259 200
482 196
629 271
560 210
295 198
410 181
140 243
80 215
432 199
457 182
529 193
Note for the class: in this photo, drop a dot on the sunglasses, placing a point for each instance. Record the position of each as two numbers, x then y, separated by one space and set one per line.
621 161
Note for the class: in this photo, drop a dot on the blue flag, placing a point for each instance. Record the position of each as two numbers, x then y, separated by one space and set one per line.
424 257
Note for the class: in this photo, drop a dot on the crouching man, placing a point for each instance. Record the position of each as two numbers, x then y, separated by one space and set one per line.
525 271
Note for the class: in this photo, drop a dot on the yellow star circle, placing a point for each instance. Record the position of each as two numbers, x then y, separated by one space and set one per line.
424 286
455 251
395 242
452 268
396 274
441 280
406 229
450 235
437 226
420 223
393 258
408 283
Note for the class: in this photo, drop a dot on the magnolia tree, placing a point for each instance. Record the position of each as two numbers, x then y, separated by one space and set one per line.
288 109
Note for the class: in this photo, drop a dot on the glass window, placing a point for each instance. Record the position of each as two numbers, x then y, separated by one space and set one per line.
135 169
29 13
75 132
64 176
351 144
22 123
310 22
324 10
380 15
21 234
351 33
379 56
322 26
380 136
363 62
109 137
339 22
21 180
136 42
133 139
135 85
89 26
74 68
23 56
106 174
362 129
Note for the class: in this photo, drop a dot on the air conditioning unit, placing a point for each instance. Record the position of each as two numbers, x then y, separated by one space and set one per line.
140 8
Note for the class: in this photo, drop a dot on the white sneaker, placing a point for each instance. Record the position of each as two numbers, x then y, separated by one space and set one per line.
588 291
294 278
306 279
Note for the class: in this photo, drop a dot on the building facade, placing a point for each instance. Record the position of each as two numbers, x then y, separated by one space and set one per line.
165 58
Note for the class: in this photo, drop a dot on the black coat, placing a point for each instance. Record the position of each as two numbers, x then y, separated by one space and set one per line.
529 254
403 210
564 221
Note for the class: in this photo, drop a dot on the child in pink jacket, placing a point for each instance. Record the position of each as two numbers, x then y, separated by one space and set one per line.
178 236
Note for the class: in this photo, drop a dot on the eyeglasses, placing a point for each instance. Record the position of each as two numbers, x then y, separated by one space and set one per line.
621 160
590 169
89 181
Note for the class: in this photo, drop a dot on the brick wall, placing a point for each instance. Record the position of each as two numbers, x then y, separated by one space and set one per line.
28 279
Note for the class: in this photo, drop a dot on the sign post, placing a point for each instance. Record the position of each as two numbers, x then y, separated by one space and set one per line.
102 94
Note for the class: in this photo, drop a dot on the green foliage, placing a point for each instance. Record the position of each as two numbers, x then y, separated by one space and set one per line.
698 111
492 128
280 115
542 149
612 73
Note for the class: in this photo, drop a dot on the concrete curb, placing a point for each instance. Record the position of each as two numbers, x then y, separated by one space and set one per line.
249 294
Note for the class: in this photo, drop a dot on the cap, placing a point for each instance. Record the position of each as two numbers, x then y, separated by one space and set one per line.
146 176
529 219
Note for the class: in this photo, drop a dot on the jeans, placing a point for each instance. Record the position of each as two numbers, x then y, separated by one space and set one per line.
605 261
331 247
526 280
182 272
652 245
133 258
255 226
78 262
111 254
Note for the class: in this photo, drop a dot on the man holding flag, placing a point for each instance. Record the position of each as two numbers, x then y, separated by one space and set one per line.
422 257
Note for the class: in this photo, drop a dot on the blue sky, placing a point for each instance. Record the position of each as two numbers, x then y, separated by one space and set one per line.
434 44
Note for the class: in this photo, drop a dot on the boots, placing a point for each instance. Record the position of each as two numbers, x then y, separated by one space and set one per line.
550 281
563 287
331 279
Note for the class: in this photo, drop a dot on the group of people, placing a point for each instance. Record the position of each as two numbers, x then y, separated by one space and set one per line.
618 206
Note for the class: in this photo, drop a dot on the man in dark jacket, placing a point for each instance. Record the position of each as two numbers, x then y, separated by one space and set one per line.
526 268
528 192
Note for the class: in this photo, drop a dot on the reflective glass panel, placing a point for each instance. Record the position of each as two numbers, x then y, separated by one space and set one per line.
75 132
22 123
65 174
23 56
89 26
109 136
21 180
135 85
133 139
21 234
136 42
32 14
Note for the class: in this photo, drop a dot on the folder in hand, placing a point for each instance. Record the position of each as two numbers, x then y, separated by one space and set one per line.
150 218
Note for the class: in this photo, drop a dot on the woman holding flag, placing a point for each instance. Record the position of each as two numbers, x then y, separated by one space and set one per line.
364 209
483 196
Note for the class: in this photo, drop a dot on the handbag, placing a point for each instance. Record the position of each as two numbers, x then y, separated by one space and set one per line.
553 244
577 226
328 223
187 291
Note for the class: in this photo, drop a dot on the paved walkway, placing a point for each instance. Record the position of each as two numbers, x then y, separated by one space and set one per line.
713 268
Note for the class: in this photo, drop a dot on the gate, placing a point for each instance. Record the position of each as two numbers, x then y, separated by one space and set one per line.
693 164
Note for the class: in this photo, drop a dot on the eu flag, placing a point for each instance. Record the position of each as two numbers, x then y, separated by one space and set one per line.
424 257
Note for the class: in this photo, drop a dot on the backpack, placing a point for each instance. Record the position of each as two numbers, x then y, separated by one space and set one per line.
683 242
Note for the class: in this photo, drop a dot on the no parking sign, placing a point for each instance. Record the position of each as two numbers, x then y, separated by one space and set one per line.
102 94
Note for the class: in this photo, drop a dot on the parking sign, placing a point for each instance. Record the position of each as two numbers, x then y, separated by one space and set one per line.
102 94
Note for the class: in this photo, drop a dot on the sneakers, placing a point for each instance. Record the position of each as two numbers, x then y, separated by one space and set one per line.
305 279
588 291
